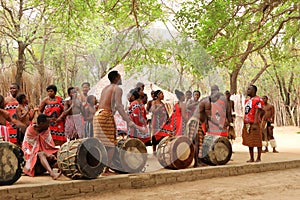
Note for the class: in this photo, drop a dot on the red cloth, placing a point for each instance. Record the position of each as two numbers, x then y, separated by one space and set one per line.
250 106
174 126
33 143
216 123
137 113
55 109
12 129
4 133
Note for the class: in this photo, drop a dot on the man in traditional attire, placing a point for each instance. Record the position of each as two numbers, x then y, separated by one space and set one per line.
39 149
252 131
103 122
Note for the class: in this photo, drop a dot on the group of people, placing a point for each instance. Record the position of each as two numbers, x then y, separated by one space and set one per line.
40 130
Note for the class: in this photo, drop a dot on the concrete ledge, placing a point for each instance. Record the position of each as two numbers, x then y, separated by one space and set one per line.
72 188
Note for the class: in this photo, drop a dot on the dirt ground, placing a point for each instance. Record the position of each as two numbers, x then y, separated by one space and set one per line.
276 185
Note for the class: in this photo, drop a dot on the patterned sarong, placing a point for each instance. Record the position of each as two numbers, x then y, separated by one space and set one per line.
55 109
105 128
12 129
4 135
74 127
33 143
252 138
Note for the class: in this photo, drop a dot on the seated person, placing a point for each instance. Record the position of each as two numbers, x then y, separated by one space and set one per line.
39 149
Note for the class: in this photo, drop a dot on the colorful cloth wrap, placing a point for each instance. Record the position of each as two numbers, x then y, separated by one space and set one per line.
55 109
137 113
252 136
74 127
12 129
33 143
174 126
105 128
4 135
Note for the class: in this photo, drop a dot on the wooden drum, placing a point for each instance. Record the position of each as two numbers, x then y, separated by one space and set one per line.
82 158
130 156
216 150
11 162
175 152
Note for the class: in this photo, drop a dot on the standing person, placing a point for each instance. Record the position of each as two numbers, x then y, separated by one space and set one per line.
73 111
230 107
11 105
159 115
52 106
39 149
267 125
137 113
6 118
193 104
149 103
103 122
25 114
85 88
89 113
188 96
176 123
252 132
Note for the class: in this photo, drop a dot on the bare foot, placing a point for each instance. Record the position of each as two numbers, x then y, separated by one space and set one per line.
275 151
55 176
108 173
258 160
251 160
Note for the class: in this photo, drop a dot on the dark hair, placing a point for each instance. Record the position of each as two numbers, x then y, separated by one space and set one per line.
156 93
113 75
42 118
90 98
135 93
1 101
265 97
52 87
140 84
227 92
20 98
197 91
70 89
188 92
179 94
86 83
16 84
254 87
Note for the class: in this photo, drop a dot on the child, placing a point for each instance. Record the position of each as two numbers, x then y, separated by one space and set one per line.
89 115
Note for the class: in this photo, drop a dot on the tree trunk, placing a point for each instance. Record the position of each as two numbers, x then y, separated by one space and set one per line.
20 64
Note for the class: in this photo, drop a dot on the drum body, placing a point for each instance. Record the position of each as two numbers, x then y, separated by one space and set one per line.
130 156
11 162
175 152
216 150
82 158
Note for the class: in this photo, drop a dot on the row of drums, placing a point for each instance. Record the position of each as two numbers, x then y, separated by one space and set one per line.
86 158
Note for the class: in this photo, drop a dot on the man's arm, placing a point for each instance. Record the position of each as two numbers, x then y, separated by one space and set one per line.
272 113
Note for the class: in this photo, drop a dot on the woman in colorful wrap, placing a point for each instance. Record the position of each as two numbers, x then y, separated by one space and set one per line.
137 113
53 107
39 149
11 105
176 123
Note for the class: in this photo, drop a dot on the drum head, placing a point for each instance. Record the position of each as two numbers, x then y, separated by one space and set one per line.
91 157
216 150
182 152
133 155
12 158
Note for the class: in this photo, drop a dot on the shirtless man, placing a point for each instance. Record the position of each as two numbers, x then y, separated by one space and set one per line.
103 122
209 122
267 125
192 104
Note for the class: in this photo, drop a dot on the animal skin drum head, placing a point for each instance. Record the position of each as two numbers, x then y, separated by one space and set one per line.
11 159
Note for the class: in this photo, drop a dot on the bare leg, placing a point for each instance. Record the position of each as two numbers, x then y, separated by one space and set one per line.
45 163
110 154
259 150
251 154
